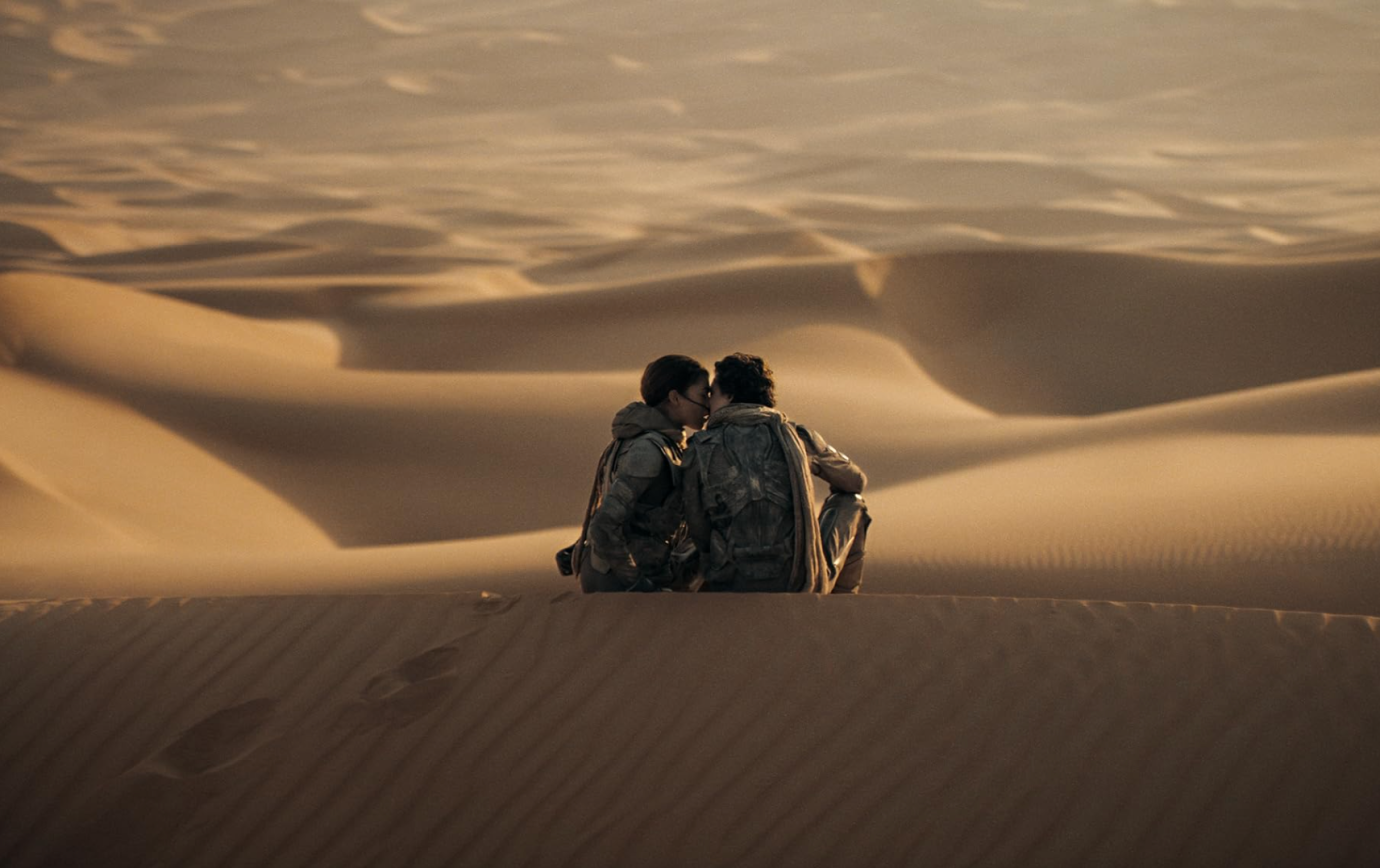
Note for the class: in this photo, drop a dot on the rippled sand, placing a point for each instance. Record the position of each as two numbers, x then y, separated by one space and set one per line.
320 299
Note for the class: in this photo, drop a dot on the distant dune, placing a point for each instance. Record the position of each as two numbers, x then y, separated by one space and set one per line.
405 418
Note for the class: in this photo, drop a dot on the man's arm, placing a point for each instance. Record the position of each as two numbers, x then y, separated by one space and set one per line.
637 468
696 525
831 465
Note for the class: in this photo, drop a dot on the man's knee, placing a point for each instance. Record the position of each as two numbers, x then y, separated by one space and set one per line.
843 527
844 512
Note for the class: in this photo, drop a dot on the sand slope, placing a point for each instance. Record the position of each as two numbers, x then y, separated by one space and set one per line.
1221 471
460 730
313 316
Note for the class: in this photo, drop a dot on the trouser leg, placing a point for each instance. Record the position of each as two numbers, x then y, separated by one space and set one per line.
843 530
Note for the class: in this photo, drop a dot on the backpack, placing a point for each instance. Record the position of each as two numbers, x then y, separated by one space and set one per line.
745 487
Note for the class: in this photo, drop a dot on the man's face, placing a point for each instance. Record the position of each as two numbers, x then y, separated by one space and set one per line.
718 399
690 407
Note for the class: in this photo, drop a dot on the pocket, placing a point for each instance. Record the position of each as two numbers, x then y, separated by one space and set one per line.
762 575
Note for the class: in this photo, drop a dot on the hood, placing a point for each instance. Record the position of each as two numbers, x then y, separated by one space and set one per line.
744 414
638 418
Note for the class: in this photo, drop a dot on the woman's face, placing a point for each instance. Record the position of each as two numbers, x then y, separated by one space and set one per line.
691 407
718 399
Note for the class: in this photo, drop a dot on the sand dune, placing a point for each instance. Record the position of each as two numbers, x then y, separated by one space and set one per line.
1014 331
339 233
444 730
313 317
518 563
1227 520
82 472
1262 497
16 190
182 254
16 238
49 321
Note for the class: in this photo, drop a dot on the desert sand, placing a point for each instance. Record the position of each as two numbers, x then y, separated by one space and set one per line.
879 730
313 316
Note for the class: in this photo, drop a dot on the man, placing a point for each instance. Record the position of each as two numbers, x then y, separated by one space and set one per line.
635 520
749 499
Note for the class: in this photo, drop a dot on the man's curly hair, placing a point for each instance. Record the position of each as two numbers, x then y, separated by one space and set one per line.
746 378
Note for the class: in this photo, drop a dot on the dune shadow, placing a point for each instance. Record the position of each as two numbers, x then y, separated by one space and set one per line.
1044 332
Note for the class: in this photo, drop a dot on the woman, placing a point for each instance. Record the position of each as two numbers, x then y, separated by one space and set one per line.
634 519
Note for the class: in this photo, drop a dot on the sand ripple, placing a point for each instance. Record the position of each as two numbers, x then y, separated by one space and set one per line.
898 731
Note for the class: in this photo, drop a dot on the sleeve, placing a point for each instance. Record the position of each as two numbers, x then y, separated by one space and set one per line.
696 525
831 465
637 467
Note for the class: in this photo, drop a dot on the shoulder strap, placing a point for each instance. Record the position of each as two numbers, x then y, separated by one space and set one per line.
601 481
674 452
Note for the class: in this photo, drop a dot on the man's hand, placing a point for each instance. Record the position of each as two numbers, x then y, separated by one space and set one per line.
685 564
626 572
644 585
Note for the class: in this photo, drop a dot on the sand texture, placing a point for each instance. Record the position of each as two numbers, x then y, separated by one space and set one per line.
465 730
327 296
314 315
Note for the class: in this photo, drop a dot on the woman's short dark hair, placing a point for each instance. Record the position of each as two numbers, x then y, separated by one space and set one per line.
746 378
670 374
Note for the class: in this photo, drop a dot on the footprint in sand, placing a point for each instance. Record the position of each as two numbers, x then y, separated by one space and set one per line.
224 738
404 694
427 666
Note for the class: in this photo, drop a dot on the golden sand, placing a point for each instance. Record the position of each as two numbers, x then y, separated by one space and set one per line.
313 316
